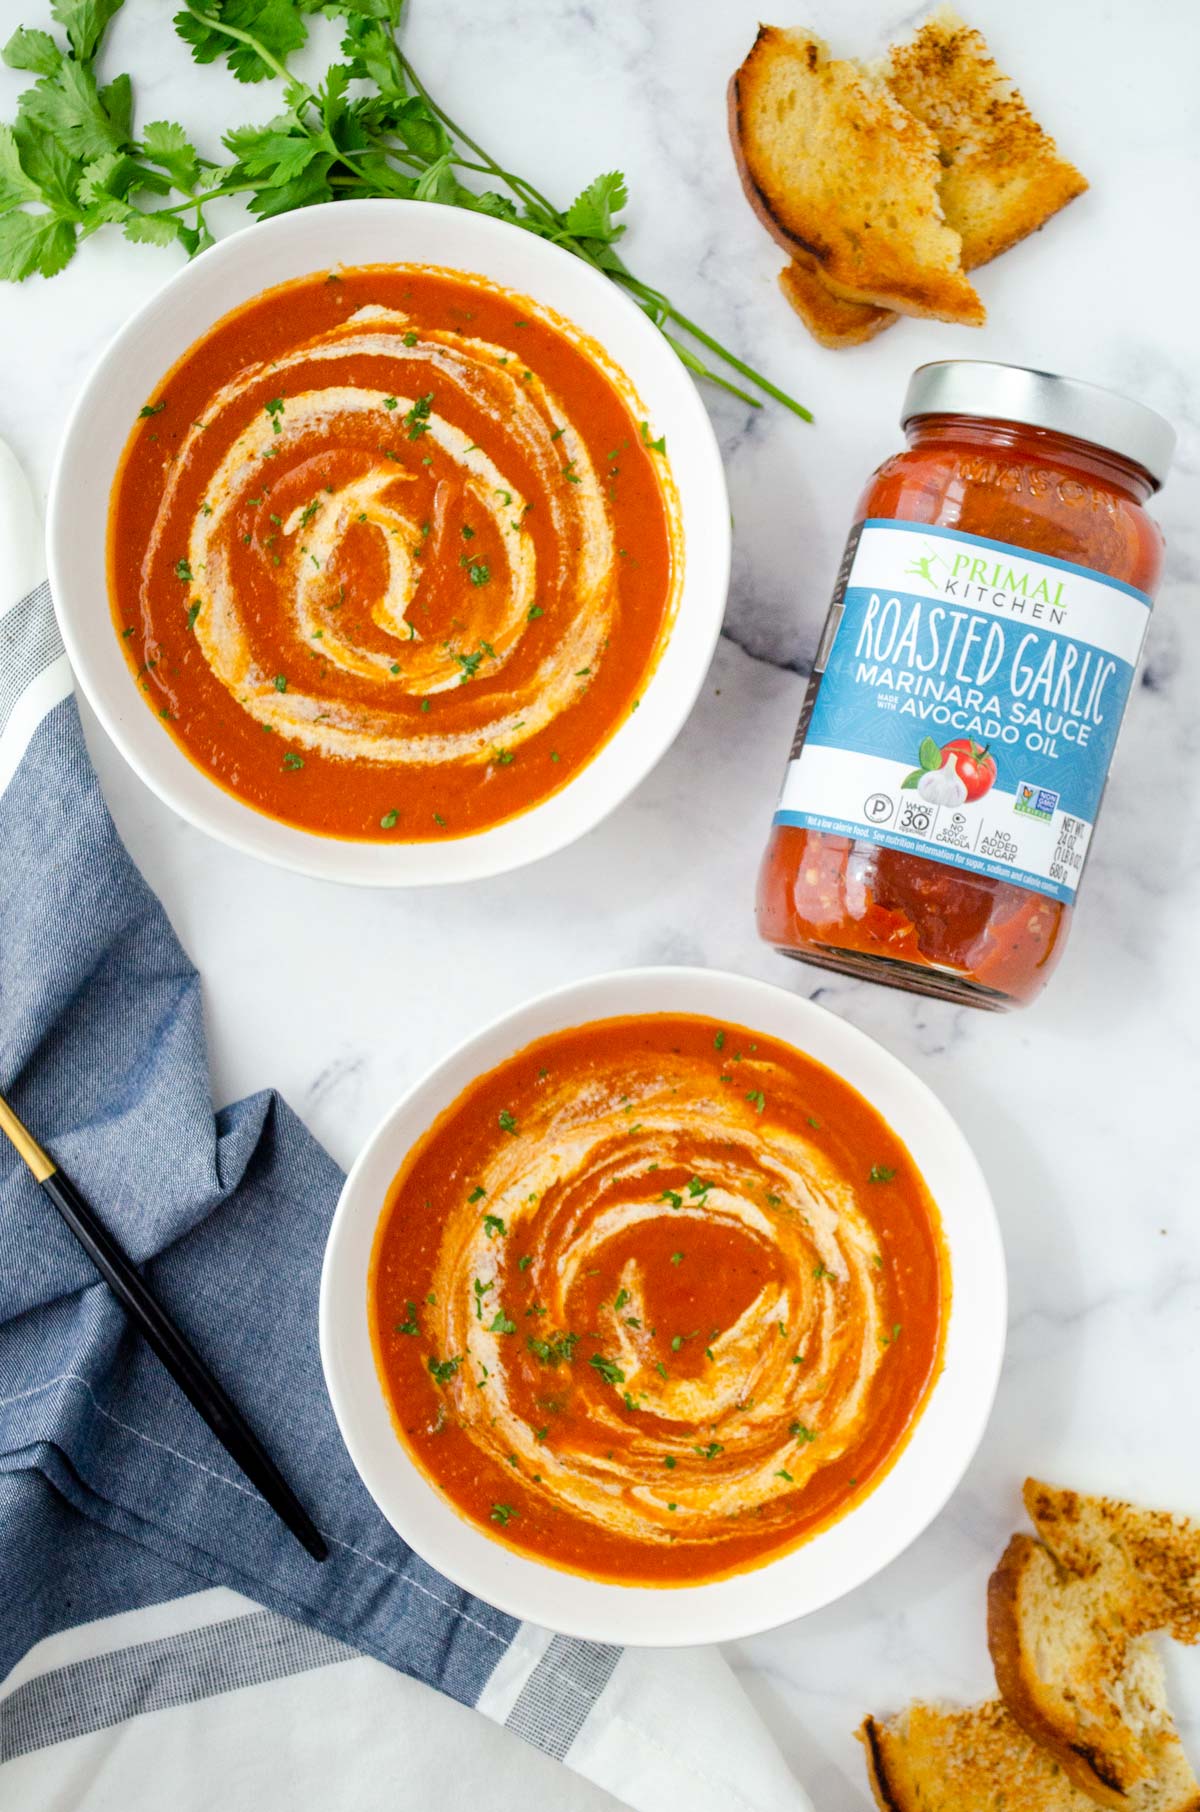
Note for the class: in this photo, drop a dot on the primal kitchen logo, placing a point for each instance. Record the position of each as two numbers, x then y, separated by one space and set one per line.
983 579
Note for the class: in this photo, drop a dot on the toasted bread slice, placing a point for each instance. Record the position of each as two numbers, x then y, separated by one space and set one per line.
832 320
1070 1618
940 1759
1002 175
872 221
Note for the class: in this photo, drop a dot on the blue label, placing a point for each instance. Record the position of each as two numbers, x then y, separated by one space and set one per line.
967 704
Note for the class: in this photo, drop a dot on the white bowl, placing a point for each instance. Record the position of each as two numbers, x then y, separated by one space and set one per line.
382 232
833 1561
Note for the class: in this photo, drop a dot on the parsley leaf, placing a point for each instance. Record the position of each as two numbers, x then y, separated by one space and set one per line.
608 1369
590 215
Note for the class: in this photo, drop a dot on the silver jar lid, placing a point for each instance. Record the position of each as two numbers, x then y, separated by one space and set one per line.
1066 405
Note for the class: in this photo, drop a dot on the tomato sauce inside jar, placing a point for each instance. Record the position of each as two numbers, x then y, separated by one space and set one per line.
967 690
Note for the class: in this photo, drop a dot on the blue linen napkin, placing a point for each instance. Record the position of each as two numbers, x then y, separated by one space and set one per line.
102 1053
114 1497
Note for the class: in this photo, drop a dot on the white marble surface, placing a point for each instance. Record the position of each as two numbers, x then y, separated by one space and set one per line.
1083 1110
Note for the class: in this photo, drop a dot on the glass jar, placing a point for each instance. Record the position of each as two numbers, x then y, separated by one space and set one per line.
967 690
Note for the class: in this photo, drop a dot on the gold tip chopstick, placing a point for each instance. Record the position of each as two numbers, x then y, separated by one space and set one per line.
164 1338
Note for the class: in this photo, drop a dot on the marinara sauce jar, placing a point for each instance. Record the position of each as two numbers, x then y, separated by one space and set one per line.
968 688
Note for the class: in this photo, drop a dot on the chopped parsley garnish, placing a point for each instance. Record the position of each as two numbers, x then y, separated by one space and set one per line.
148 409
677 1258
673 1196
442 1370
503 1514
417 418
710 1452
621 1299
891 1339
881 1173
535 611
183 571
274 410
470 662
821 1270
698 1188
784 1474
481 1289
719 1041
410 338
555 1350
501 1324
660 1368
293 761
388 821
814 1123
523 1264
669 1461
800 1433
193 613
390 402
505 1121
410 1326
493 1225
757 1100
281 682
655 446
477 1194
608 1369
479 572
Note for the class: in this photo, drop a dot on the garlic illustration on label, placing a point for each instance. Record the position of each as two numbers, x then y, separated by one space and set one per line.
942 786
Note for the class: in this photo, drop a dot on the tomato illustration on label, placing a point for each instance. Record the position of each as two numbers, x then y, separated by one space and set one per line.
957 773
975 767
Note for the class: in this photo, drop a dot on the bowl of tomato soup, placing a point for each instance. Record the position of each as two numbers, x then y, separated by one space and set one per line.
665 1310
390 543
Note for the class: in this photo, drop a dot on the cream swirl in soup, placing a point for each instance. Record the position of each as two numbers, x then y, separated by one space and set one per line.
657 1298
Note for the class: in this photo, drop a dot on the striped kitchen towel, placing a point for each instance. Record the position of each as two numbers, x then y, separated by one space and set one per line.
161 1634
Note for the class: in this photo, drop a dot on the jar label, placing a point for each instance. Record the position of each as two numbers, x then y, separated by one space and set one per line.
964 704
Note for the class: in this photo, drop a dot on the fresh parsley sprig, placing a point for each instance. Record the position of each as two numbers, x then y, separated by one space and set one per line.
71 162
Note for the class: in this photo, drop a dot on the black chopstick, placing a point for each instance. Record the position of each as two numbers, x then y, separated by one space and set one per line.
164 1338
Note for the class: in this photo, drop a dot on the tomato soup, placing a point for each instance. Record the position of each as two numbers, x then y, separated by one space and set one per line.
657 1298
392 553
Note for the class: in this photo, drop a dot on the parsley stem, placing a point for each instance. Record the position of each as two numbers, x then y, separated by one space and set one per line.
730 358
195 201
697 365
